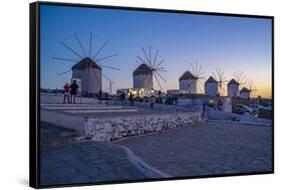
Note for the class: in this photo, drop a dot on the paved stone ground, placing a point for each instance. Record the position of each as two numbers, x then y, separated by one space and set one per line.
86 162
210 148
51 134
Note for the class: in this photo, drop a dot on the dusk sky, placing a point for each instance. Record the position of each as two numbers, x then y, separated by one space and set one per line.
230 43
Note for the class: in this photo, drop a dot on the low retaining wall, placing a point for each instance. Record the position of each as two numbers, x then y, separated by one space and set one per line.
117 127
232 117
109 129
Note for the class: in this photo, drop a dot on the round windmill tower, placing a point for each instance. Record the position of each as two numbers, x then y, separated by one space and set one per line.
249 90
245 93
90 75
143 77
191 81
211 87
187 82
149 69
233 86
88 66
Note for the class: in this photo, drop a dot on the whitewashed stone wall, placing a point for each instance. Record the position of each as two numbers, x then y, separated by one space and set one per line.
109 129
188 85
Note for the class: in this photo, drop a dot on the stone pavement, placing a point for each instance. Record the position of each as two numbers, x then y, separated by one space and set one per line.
86 162
210 148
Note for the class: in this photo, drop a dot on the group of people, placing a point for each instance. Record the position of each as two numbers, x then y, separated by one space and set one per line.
132 100
70 92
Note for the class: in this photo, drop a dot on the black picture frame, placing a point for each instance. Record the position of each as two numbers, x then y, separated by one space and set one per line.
34 84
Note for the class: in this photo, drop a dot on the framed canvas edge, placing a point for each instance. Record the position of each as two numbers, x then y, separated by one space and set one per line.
34 90
34 83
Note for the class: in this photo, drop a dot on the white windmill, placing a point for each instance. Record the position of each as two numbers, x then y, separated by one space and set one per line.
249 90
211 87
233 86
192 79
150 68
87 66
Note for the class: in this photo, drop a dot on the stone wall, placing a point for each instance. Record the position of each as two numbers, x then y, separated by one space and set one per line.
105 129
232 117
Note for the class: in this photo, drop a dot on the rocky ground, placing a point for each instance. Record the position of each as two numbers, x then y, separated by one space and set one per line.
210 148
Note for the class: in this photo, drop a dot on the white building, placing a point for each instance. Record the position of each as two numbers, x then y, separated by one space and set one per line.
187 82
211 87
138 92
245 93
233 88
89 74
143 77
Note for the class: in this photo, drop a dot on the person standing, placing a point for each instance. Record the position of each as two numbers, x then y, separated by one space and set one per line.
131 99
73 91
220 105
66 93
204 107
152 101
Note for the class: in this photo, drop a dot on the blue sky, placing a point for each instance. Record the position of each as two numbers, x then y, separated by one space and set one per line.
230 43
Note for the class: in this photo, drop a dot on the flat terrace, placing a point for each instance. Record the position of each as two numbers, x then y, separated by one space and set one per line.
109 120
98 110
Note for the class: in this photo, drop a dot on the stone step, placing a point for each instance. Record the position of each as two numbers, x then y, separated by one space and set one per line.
101 111
82 107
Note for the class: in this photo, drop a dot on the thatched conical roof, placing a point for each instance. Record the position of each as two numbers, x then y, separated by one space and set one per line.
85 64
244 89
232 81
142 70
187 76
211 80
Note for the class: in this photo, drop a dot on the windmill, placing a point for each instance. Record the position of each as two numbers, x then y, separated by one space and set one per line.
234 85
196 70
251 86
240 78
87 59
150 68
219 76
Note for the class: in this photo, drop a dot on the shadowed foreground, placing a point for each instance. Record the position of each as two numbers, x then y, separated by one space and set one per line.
210 148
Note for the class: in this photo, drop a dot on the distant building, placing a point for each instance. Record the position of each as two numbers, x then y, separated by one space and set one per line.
89 74
143 77
188 82
245 93
211 87
233 88
137 92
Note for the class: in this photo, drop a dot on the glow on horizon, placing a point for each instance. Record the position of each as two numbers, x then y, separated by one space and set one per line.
230 43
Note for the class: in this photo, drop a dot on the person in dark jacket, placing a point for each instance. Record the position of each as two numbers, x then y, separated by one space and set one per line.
73 91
